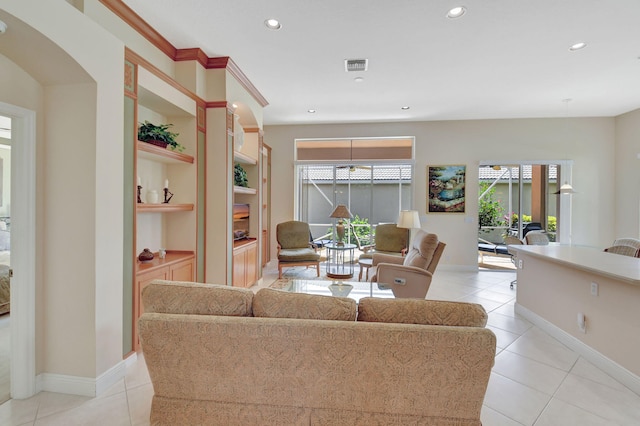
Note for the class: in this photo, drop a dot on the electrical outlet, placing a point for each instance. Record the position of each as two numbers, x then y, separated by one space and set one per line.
594 289
582 322
399 281
520 264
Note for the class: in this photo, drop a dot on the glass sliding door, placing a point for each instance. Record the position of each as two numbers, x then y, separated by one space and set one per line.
517 198
374 193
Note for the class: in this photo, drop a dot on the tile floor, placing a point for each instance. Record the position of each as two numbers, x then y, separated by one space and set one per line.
535 381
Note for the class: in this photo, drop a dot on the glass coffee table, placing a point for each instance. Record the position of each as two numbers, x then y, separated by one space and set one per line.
352 289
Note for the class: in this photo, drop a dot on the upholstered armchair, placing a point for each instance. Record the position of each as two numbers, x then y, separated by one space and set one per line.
294 248
409 276
389 239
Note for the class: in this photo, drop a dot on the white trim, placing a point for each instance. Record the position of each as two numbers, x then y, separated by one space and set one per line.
23 250
607 365
83 386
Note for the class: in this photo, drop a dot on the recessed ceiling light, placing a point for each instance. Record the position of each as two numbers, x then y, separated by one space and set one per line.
578 46
456 12
311 111
358 79
3 27
405 107
273 24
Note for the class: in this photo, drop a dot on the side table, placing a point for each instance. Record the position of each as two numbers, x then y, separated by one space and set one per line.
340 260
365 263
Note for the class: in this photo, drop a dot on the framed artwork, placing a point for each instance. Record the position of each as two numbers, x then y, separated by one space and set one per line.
446 188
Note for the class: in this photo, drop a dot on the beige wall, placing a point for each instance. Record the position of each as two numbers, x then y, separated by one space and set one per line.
79 182
469 142
626 181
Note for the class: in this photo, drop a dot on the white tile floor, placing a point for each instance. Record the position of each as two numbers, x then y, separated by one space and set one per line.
535 381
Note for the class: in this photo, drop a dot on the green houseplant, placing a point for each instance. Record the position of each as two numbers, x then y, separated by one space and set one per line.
240 176
159 135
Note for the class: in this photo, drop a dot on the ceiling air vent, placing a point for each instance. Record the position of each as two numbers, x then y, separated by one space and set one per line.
355 64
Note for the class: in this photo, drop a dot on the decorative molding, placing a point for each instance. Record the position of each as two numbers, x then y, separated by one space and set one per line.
192 54
201 115
227 63
217 104
132 19
607 365
132 56
152 35
130 77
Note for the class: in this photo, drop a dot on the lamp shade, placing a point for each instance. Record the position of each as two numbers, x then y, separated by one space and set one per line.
341 212
408 219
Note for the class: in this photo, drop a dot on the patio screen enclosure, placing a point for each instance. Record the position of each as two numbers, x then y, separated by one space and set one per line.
373 178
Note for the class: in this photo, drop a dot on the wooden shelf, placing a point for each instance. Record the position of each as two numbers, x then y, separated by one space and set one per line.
172 257
163 155
241 158
243 190
163 208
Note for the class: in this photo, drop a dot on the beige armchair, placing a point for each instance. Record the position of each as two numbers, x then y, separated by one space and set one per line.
409 276
389 239
294 248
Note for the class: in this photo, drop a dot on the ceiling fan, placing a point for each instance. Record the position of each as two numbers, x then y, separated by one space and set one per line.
353 167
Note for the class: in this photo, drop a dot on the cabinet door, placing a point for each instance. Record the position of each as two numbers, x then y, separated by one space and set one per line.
182 271
239 260
142 281
251 267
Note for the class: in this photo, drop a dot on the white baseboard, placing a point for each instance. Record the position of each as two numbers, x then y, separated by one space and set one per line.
82 386
607 365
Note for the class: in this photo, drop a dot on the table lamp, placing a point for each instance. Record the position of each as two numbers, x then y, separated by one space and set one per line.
341 212
409 219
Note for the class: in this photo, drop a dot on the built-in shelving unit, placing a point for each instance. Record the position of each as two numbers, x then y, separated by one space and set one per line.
170 225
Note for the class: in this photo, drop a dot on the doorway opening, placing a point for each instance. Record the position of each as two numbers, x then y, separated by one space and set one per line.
515 199
5 258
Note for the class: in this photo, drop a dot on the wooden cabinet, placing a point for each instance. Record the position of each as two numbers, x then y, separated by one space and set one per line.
245 267
182 271
176 266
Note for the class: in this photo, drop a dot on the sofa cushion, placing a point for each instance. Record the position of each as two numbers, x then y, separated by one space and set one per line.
178 297
273 303
415 311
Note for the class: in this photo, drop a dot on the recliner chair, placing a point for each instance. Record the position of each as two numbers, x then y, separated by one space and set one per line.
409 276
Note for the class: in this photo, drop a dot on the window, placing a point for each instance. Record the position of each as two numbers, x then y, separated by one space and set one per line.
372 177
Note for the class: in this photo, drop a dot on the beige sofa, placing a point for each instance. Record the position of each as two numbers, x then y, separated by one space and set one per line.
223 356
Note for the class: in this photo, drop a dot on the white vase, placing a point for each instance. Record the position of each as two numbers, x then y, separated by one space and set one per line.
152 197
238 134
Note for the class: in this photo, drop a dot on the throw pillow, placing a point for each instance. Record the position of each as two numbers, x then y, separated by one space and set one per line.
178 297
415 311
273 303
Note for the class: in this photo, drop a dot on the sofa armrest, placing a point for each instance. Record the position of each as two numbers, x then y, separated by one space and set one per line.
404 281
386 258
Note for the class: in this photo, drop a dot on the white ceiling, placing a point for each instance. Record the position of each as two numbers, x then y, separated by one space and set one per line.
502 59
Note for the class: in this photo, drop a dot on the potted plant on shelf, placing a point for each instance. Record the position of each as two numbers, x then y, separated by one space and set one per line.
240 176
159 135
